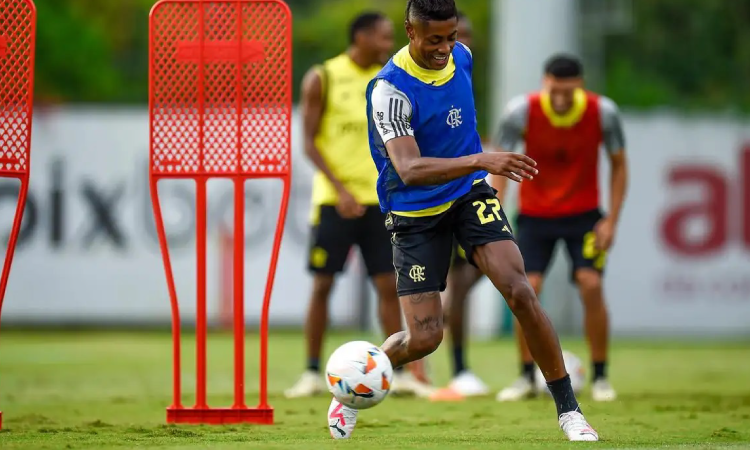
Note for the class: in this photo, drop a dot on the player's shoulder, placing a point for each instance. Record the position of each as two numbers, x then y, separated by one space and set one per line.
338 61
608 109
518 105
383 91
607 106
315 79
385 88
465 48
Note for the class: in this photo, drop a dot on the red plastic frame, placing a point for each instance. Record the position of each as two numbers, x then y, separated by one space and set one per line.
220 102
17 53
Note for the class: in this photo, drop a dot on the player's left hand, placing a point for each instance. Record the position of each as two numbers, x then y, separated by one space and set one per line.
605 233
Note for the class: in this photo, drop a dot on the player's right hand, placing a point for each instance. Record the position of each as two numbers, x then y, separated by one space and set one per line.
511 165
347 207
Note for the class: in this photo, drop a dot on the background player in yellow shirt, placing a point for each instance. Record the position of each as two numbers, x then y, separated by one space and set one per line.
345 202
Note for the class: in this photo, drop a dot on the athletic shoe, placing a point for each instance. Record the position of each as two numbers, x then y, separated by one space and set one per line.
602 391
341 420
521 389
405 383
576 428
309 384
465 384
420 370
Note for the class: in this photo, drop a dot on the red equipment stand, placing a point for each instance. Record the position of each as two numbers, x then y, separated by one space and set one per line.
17 44
220 107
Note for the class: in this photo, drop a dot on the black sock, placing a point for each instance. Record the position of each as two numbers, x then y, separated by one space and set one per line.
600 370
527 370
313 364
562 392
459 365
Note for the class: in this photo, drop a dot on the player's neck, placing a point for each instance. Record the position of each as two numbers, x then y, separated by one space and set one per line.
417 60
359 58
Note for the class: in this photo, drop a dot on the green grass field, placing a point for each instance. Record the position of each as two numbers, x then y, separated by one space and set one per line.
98 390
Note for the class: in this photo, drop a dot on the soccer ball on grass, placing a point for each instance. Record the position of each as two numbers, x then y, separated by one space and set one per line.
359 374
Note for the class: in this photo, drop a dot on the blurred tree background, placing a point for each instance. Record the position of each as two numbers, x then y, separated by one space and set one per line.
688 54
691 54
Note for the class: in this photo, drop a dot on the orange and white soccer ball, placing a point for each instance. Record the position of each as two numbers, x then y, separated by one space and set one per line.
575 368
359 374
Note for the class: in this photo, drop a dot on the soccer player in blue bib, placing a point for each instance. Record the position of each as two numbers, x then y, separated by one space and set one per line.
423 139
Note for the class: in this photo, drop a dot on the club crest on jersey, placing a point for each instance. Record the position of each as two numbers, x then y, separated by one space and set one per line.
454 117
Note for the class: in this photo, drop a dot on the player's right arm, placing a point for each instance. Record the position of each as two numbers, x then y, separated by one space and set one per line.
392 113
313 108
509 136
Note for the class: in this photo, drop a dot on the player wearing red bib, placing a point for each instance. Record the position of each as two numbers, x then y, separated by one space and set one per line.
563 127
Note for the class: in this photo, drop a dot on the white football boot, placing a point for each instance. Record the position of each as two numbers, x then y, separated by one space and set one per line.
465 384
576 428
405 383
521 389
341 420
469 385
602 391
309 384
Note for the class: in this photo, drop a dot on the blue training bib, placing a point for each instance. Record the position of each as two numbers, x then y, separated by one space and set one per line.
445 126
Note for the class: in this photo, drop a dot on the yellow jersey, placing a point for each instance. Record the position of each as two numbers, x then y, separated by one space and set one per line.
342 138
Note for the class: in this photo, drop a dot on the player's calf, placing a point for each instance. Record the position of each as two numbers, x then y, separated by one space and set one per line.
405 347
424 329
596 322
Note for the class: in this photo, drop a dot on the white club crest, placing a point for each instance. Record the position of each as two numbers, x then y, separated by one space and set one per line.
454 117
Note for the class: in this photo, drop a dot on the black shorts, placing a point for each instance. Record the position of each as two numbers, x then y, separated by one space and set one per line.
459 257
423 246
537 238
333 237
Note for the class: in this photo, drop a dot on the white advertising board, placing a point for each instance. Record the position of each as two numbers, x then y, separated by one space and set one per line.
88 251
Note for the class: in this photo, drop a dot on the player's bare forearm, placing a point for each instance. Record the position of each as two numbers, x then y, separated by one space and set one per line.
431 171
312 113
618 184
416 170
314 155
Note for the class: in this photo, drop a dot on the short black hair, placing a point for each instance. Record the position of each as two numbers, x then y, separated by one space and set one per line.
563 66
439 10
460 14
364 21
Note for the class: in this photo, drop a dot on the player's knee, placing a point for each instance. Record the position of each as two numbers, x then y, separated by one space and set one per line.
425 342
590 285
521 297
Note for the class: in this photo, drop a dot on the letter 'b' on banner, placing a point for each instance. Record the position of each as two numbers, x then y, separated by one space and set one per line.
220 107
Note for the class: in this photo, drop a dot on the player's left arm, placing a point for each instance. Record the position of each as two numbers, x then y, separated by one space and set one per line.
614 143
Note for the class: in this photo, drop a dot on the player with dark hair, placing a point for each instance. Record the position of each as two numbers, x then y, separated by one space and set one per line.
462 277
423 139
563 127
345 203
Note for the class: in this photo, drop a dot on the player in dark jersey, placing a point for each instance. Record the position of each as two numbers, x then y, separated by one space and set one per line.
563 127
424 142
